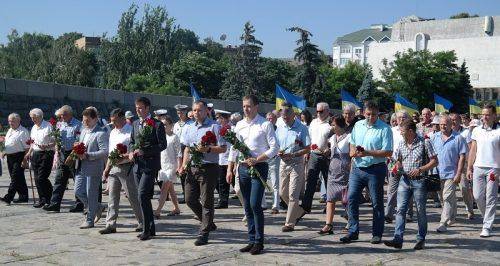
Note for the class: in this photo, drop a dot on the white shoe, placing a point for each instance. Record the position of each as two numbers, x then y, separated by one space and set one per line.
485 233
86 225
441 228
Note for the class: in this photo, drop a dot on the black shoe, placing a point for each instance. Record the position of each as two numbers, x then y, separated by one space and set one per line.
388 219
393 244
107 230
76 208
40 204
247 248
201 240
257 249
212 227
348 238
21 200
182 201
52 208
329 231
6 201
221 206
300 218
376 240
420 245
145 236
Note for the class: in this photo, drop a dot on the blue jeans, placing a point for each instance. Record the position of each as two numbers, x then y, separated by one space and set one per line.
373 177
253 191
407 188
87 190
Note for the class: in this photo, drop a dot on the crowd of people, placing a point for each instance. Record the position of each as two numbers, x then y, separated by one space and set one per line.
348 157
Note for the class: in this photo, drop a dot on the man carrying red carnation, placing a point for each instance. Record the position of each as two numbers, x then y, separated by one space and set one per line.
203 136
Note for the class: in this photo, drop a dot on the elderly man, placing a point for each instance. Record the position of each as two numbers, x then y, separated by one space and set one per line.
294 141
201 182
414 157
15 149
451 149
465 185
90 165
120 174
425 127
484 166
274 168
70 129
41 154
370 144
179 128
349 114
319 132
392 188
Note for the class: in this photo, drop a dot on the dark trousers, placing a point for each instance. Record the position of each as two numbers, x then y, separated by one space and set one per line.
17 179
145 185
222 186
373 177
252 190
317 164
200 188
63 174
41 162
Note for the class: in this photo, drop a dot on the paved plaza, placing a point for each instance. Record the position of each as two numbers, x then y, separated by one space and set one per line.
33 236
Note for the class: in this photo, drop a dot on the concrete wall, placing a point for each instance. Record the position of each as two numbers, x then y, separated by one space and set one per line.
21 96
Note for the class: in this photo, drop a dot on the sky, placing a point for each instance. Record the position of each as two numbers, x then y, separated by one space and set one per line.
326 20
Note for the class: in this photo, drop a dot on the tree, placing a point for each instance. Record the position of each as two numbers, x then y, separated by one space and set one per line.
242 77
275 71
349 78
367 89
417 75
464 84
464 15
309 57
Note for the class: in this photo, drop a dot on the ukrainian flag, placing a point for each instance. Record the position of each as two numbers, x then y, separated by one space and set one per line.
194 93
474 107
348 99
283 95
441 105
403 104
498 107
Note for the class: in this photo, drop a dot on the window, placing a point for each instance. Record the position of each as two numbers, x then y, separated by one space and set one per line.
494 94
478 95
343 61
486 94
345 50
334 62
357 50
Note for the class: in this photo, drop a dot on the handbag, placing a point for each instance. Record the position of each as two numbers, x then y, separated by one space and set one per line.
432 181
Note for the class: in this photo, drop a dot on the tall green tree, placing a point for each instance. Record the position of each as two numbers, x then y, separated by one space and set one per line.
349 78
309 84
367 89
242 77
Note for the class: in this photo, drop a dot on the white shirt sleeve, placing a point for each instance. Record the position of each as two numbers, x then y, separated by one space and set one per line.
271 140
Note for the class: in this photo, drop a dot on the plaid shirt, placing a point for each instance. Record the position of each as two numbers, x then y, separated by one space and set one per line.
411 156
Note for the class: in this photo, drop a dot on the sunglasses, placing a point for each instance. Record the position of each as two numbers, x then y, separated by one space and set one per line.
319 111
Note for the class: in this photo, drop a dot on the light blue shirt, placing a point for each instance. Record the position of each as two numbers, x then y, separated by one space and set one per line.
195 131
287 137
448 153
70 133
375 137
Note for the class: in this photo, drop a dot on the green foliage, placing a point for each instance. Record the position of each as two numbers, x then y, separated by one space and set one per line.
418 74
464 15
367 89
349 78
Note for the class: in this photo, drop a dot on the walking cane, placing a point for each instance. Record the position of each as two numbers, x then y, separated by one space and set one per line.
27 164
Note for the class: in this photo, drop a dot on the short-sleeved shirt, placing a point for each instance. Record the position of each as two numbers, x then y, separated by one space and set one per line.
195 131
320 132
488 146
121 136
371 137
448 153
41 135
15 140
69 133
287 137
414 156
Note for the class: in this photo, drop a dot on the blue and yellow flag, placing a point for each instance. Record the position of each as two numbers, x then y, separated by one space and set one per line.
474 107
282 95
498 107
194 93
441 105
348 99
403 104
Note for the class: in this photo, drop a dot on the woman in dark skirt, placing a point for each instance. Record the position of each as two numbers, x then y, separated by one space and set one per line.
338 172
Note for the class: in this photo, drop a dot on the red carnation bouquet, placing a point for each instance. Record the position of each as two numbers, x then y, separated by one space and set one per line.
55 133
78 149
314 147
117 154
231 138
147 130
491 176
195 156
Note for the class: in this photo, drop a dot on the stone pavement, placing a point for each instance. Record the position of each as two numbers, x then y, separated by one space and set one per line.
33 236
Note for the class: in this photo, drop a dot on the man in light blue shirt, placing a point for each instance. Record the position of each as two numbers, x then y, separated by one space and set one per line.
370 145
294 141
451 149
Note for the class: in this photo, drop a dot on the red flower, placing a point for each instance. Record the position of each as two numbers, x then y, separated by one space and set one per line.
79 149
492 176
314 147
298 142
394 169
122 149
150 122
78 132
224 130
29 141
426 136
360 149
204 139
53 121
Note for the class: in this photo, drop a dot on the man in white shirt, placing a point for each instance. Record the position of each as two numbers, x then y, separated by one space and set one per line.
15 148
120 175
258 134
319 132
484 166
274 167
41 154
222 186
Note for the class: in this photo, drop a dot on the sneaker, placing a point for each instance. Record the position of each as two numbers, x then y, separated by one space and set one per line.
441 228
393 244
376 240
419 245
485 233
